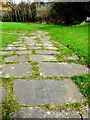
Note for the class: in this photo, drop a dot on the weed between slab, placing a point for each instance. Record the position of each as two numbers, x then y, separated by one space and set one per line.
34 51
9 104
38 40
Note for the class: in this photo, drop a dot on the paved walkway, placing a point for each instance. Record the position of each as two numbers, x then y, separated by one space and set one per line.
32 63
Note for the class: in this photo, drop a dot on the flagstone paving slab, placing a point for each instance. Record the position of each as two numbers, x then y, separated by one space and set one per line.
6 52
11 58
72 57
42 58
16 70
39 92
62 69
23 59
47 52
23 52
10 45
15 48
30 41
35 47
41 113
19 45
51 48
10 48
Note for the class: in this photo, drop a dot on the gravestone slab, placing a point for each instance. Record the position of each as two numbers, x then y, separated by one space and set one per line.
23 52
40 92
62 69
16 70
47 52
42 58
11 58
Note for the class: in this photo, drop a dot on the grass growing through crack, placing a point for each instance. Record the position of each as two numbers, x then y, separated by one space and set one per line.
9 103
35 69
38 40
34 51
78 106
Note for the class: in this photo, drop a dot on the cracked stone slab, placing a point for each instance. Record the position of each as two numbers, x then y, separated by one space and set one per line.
6 52
62 69
47 52
42 58
23 52
72 57
40 92
38 112
11 58
16 70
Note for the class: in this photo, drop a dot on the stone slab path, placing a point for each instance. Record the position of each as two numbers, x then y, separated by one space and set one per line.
30 62
46 92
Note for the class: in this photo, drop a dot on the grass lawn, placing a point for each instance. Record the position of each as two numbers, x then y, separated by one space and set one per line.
75 38
17 27
7 39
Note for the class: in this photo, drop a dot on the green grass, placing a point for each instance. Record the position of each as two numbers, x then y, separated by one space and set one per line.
74 40
7 39
84 84
17 27
73 37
